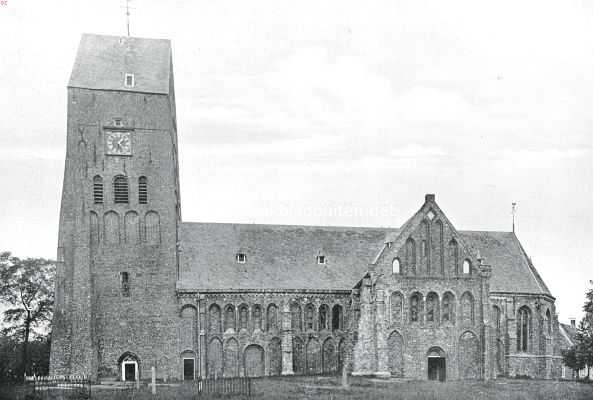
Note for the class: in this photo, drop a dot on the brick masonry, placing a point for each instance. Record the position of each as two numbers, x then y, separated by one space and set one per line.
390 323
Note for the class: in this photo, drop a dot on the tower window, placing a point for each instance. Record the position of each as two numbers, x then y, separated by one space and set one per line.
98 190
125 284
241 258
121 189
142 190
129 80
321 260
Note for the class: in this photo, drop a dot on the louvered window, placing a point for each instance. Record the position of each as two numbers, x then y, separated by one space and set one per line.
142 190
98 189
121 189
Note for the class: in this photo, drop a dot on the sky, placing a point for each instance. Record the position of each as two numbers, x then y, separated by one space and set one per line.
334 113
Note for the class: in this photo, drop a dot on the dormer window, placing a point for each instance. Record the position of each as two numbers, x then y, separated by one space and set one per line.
321 260
129 81
241 258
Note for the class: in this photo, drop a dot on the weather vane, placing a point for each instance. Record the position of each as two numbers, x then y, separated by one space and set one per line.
128 16
513 212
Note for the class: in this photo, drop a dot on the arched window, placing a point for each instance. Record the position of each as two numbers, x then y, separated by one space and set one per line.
337 318
454 255
549 322
426 246
229 318
243 317
467 308
323 317
121 191
467 266
256 312
98 190
448 308
432 308
395 266
496 319
523 329
415 306
111 225
152 225
142 190
396 307
310 317
214 319
272 318
94 227
411 255
295 317
132 227
440 233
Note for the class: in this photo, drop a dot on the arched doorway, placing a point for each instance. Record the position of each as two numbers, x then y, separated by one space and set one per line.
437 364
130 371
254 360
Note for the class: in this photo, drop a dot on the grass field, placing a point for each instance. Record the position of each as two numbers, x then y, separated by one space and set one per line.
328 388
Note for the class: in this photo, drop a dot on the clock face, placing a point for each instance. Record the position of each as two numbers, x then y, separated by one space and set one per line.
118 143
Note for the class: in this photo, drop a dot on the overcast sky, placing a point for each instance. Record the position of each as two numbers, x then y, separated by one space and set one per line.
334 113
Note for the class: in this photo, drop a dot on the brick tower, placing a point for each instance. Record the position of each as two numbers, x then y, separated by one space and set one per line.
117 246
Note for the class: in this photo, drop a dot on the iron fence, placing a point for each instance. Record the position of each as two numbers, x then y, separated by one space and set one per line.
225 386
63 386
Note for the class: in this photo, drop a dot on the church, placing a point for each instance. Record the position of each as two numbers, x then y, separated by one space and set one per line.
137 287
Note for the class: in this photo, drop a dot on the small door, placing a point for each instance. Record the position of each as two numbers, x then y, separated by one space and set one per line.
130 372
188 369
437 369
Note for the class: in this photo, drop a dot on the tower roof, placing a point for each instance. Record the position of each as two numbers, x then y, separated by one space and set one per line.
102 63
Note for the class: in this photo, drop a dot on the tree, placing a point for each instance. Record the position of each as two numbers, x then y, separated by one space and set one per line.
27 291
580 355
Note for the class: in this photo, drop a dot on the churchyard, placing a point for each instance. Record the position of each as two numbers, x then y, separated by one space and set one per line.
329 388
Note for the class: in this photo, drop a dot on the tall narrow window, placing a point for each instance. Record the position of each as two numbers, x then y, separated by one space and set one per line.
467 267
152 226
295 317
125 284
411 256
120 189
323 317
415 307
337 318
523 329
142 190
454 256
448 308
98 190
395 267
94 227
309 317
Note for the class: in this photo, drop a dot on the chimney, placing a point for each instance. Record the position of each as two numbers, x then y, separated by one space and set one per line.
573 322
429 197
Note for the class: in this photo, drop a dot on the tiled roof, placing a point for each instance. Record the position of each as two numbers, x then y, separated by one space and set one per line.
102 62
285 257
512 271
278 256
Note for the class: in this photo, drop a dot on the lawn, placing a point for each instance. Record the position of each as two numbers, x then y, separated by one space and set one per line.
328 388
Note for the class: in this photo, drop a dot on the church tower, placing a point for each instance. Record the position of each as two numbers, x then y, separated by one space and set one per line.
117 247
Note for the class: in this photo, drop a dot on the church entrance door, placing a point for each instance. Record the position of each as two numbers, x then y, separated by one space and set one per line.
129 371
437 369
188 369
